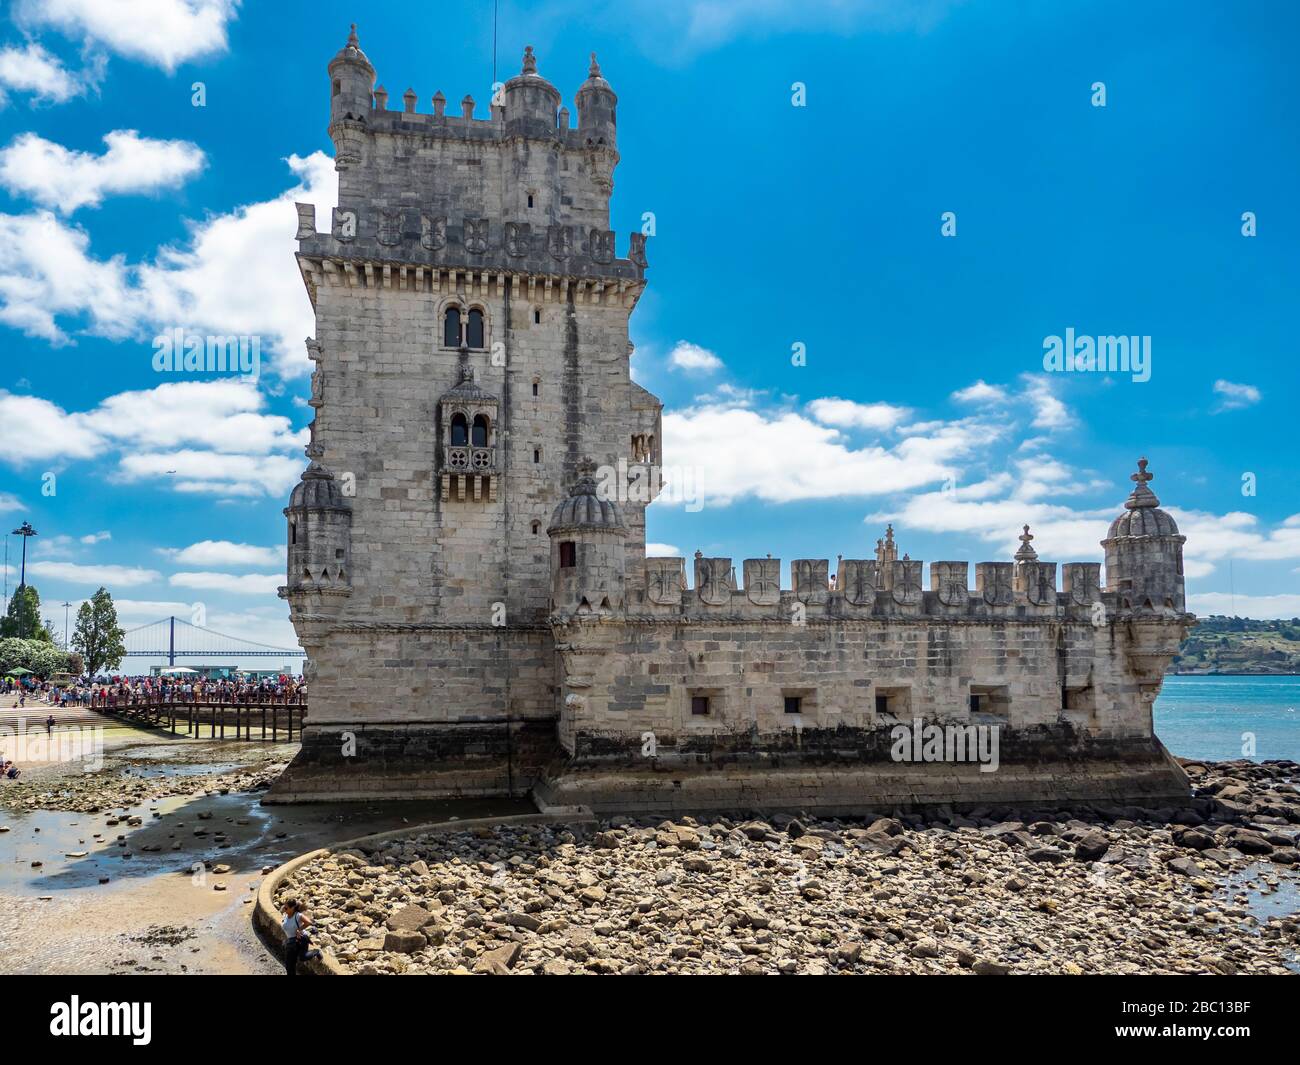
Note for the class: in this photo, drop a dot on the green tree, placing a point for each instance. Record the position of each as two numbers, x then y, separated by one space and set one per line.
23 619
99 638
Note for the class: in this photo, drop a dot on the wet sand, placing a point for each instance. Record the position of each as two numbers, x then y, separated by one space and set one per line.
179 882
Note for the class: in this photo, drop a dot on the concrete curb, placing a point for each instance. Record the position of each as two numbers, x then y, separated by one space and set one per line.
266 917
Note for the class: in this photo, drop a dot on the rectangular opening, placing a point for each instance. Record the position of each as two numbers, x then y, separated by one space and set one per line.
990 703
537 454
794 704
1079 704
699 706
568 554
894 702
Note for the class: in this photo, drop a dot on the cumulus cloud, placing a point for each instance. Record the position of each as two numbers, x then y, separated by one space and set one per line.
65 180
235 276
1234 396
662 551
164 33
693 359
108 576
981 392
1283 606
34 71
239 584
226 553
847 414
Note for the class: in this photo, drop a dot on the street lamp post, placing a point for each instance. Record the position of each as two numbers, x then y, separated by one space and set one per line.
66 607
25 530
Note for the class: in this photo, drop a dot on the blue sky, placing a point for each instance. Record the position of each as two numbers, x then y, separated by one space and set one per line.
923 399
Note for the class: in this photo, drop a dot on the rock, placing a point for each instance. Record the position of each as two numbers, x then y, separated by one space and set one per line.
1046 854
498 962
404 942
1092 847
1184 867
925 948
990 968
409 919
522 920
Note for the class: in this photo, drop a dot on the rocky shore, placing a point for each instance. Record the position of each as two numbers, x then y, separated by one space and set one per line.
987 891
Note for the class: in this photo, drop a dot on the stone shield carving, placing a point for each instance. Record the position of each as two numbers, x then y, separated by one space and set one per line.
602 245
433 231
636 250
663 580
1083 581
948 581
907 583
390 227
476 235
995 583
763 581
345 224
519 238
811 584
858 579
713 582
1040 582
559 241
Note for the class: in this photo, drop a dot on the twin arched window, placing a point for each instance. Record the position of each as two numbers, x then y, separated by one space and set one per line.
463 330
464 434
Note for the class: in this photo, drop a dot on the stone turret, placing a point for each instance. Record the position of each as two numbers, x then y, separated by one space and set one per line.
352 83
1144 554
531 101
320 538
587 536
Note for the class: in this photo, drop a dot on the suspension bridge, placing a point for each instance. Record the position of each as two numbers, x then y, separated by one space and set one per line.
172 638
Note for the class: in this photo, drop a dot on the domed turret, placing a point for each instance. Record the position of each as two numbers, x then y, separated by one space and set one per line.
587 534
531 101
597 105
319 533
1144 553
352 81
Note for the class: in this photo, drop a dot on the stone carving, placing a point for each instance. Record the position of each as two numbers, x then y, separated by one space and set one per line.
713 583
811 584
995 583
602 245
390 226
858 579
306 220
559 241
1040 582
763 581
636 249
519 238
345 224
664 580
948 582
907 582
476 235
1083 581
433 231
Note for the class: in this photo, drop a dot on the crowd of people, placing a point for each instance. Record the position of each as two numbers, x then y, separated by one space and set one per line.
116 691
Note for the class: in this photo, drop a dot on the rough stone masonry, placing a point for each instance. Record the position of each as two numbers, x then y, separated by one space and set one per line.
479 614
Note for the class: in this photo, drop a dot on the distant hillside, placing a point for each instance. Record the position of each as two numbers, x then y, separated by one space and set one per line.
1240 645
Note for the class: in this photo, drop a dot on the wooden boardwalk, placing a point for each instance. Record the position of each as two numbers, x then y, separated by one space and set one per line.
273 721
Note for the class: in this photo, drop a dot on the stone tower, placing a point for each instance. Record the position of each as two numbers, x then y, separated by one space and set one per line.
471 349
1144 553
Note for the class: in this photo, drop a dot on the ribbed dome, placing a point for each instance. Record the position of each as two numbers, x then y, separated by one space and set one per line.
317 489
351 52
584 509
1142 514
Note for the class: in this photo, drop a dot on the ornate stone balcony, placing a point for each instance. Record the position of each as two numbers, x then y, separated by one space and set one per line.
469 459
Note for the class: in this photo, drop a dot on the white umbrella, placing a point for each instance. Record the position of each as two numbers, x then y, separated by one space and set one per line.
177 669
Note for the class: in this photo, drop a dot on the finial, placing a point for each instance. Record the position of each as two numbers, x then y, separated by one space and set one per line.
593 70
889 534
1026 553
352 37
1142 496
466 373
530 61
699 554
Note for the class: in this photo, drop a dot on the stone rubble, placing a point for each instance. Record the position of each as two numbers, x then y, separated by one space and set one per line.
990 892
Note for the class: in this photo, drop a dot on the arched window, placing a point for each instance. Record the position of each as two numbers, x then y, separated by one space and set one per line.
479 438
459 430
474 330
451 328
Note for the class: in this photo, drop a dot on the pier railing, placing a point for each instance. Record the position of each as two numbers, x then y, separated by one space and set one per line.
255 716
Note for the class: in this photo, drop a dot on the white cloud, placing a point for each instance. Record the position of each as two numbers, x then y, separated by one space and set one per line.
1235 396
236 276
33 70
241 584
980 393
164 33
693 359
97 537
226 553
108 576
662 551
65 180
1049 412
850 415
